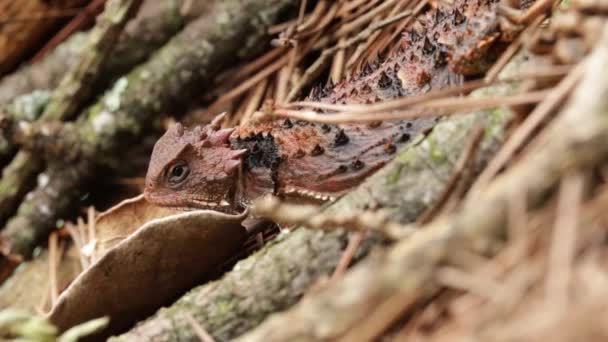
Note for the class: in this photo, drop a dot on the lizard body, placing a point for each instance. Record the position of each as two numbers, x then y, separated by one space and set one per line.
208 167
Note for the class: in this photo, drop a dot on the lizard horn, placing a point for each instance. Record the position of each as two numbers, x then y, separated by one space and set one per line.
216 123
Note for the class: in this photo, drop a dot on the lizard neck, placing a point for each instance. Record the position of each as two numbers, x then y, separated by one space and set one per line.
260 164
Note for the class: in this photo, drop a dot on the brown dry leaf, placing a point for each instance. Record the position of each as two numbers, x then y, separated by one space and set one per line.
152 266
120 221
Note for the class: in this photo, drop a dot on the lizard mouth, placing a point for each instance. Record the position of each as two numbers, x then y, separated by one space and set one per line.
225 205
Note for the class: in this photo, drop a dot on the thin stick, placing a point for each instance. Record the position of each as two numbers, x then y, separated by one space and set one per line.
337 65
344 30
473 283
354 242
200 332
256 99
404 24
372 51
449 106
282 83
53 256
310 216
91 223
314 17
561 253
469 152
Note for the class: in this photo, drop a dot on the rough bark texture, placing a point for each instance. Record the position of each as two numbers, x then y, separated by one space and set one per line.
386 286
173 76
277 276
157 22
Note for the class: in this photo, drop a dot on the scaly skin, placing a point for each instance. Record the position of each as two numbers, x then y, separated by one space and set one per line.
225 169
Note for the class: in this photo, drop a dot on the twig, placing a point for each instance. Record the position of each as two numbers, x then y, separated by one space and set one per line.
314 17
252 66
344 30
76 235
373 47
337 64
198 329
310 216
400 103
469 153
473 283
53 262
561 253
440 107
255 100
354 242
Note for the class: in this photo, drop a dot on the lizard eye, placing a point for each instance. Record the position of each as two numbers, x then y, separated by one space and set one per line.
178 172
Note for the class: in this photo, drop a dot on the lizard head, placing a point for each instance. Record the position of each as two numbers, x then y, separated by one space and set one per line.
194 168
